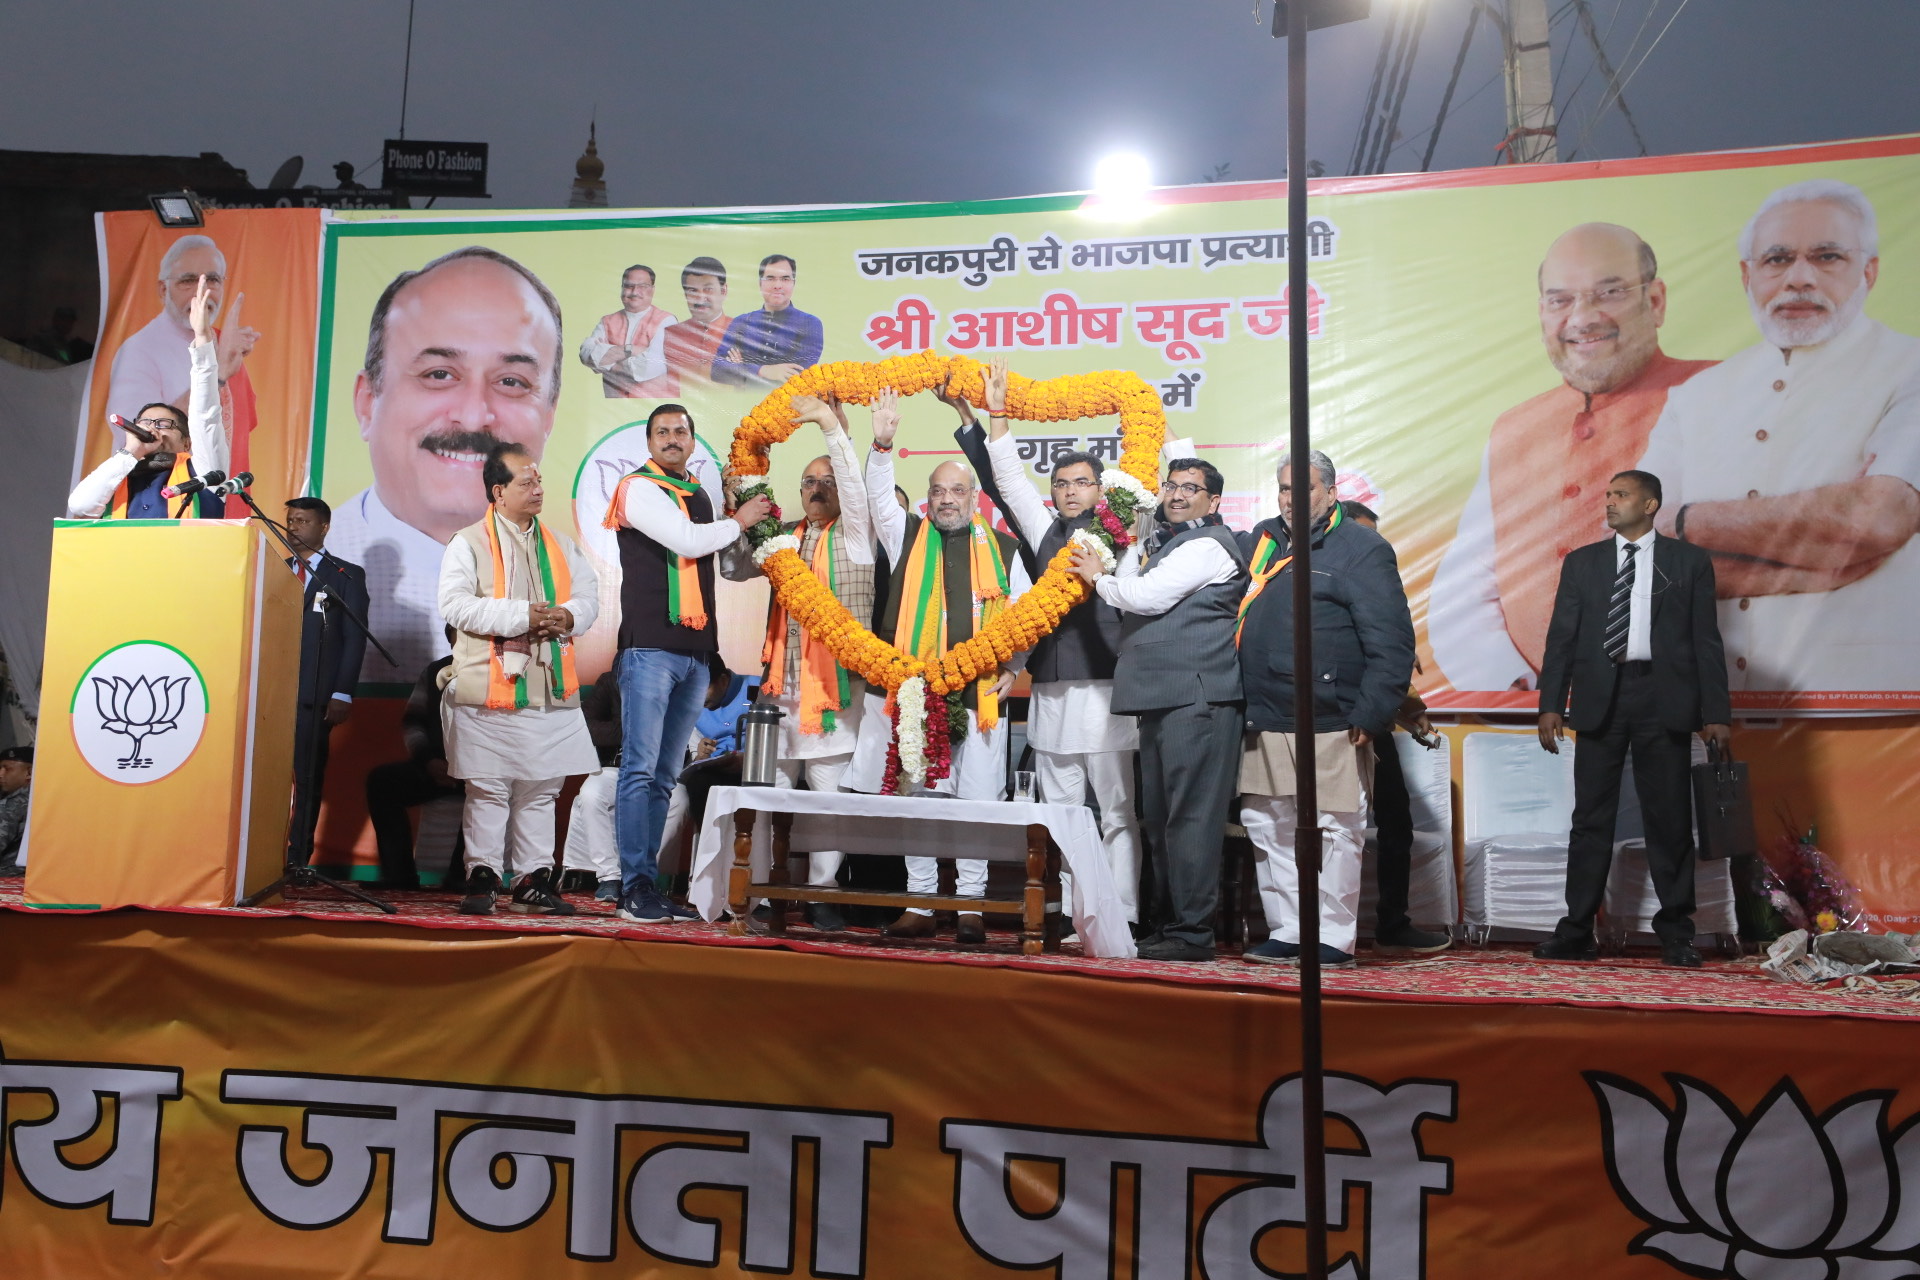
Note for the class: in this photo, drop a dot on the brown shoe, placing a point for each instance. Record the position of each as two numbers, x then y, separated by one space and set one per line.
972 929
910 925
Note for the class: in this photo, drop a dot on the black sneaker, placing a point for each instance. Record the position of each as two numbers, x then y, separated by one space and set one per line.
644 905
578 881
1407 940
482 884
1334 958
681 911
532 896
1273 951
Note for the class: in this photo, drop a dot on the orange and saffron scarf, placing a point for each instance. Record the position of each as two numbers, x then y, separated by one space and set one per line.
686 605
123 496
824 686
509 693
1264 568
921 629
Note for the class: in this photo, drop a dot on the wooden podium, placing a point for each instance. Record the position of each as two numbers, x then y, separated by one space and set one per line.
164 766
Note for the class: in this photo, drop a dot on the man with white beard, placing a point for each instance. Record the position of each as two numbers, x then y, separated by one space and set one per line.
1795 461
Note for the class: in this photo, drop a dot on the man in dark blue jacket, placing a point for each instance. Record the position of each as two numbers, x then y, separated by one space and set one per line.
1362 661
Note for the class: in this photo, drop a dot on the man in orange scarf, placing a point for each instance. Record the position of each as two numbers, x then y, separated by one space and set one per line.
516 592
820 702
628 348
951 574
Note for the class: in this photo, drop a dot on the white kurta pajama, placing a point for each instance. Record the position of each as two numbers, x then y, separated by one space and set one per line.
509 812
1342 778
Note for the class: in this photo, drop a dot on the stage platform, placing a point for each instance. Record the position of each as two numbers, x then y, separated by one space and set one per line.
343 1092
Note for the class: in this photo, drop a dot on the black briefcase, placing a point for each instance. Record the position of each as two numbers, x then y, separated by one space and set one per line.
1723 807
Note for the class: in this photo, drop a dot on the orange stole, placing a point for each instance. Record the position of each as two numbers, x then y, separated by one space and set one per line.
123 493
1551 458
557 582
823 685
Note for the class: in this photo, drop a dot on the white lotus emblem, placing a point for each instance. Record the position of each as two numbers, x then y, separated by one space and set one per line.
140 708
1781 1194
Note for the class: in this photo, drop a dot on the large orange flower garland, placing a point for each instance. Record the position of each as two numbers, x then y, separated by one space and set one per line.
1143 427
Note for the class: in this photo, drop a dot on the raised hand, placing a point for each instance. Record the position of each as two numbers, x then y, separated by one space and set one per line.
752 511
199 313
815 410
886 417
997 386
1086 565
236 341
954 400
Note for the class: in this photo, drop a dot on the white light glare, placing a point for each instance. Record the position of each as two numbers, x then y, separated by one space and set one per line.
1124 176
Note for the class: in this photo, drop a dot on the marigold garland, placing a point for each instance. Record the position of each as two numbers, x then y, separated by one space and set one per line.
1143 428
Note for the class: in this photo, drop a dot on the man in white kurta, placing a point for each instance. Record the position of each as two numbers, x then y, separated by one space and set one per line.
815 745
628 349
1796 462
514 758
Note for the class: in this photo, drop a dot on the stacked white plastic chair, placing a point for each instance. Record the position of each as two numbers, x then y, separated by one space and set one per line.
1433 899
1631 902
1519 806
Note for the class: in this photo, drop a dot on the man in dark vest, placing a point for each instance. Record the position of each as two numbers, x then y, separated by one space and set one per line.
331 646
1362 662
979 571
1078 743
668 538
1178 590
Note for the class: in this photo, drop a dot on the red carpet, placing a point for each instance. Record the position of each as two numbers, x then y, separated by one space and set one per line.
1499 974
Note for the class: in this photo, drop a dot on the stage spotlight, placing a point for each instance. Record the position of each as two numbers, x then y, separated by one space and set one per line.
1122 184
178 209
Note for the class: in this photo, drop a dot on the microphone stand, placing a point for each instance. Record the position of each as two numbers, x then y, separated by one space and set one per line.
299 872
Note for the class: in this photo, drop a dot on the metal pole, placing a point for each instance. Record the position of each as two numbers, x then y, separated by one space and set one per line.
1313 1151
406 73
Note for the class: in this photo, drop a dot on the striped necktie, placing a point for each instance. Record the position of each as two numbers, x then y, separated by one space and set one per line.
1620 611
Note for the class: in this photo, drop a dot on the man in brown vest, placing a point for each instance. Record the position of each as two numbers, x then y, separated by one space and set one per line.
1602 303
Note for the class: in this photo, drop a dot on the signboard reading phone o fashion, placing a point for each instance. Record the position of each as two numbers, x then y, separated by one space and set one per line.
434 168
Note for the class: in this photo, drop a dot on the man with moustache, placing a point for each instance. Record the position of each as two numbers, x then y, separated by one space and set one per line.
628 348
1795 462
981 576
1178 590
668 537
820 702
691 344
1079 745
1601 306
774 343
462 355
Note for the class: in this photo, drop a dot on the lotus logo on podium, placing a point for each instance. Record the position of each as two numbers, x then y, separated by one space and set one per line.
139 711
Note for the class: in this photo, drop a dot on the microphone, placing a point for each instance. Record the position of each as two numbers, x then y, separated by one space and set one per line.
133 429
213 479
233 484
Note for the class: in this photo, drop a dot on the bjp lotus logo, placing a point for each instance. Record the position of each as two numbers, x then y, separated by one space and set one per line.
138 711
1780 1194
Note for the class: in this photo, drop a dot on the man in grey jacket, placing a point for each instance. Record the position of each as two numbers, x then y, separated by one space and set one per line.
1178 591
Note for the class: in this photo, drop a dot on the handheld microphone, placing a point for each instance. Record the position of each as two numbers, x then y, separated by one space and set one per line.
232 484
213 480
133 429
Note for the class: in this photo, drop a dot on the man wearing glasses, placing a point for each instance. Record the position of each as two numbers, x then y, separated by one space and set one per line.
1078 743
1601 306
820 701
1178 672
1795 462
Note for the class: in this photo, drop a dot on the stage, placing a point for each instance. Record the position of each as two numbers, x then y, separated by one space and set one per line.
318 1089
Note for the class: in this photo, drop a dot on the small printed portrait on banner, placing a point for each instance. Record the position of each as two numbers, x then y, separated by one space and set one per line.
627 348
690 346
1601 305
765 347
1795 461
462 354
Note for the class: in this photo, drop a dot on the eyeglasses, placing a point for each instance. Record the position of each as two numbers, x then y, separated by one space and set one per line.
1827 259
1186 490
1614 295
157 424
1081 483
818 482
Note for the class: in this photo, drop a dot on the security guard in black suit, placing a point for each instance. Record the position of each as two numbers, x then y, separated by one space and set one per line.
331 646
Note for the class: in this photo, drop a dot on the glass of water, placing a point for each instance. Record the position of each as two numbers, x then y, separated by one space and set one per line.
1023 785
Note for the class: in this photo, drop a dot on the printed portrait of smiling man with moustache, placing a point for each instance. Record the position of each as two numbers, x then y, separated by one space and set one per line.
1601 304
462 355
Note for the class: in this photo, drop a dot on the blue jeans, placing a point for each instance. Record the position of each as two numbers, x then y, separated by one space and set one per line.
661 696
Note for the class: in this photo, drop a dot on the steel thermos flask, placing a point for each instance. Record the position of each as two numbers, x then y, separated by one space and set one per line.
759 744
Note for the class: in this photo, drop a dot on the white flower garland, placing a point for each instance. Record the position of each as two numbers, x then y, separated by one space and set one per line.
910 703
779 542
1083 538
1114 478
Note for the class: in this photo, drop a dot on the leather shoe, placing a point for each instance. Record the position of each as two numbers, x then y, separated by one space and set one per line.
1680 955
1175 949
910 925
1562 947
825 917
972 929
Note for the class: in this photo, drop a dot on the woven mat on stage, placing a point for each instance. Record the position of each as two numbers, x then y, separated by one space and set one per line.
1498 974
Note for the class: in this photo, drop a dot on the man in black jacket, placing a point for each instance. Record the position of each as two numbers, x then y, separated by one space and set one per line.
331 646
1362 663
394 788
1635 644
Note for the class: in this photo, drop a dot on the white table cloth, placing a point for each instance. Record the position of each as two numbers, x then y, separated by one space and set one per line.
924 826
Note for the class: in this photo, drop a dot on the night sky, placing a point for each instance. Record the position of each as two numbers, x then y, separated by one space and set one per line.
720 102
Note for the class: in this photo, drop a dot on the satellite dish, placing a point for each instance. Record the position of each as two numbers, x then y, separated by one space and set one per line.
287 175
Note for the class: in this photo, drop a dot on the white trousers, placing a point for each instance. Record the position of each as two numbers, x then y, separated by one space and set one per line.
822 773
979 773
509 823
590 845
1269 821
1065 778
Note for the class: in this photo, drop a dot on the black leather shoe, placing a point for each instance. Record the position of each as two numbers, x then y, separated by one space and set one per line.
825 917
1407 940
1175 949
1561 947
972 929
1680 955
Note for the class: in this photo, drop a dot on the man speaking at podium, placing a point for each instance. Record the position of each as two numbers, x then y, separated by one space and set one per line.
131 484
331 646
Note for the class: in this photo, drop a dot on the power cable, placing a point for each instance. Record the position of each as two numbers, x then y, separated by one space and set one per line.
1361 140
1387 140
1622 86
1453 81
1600 58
